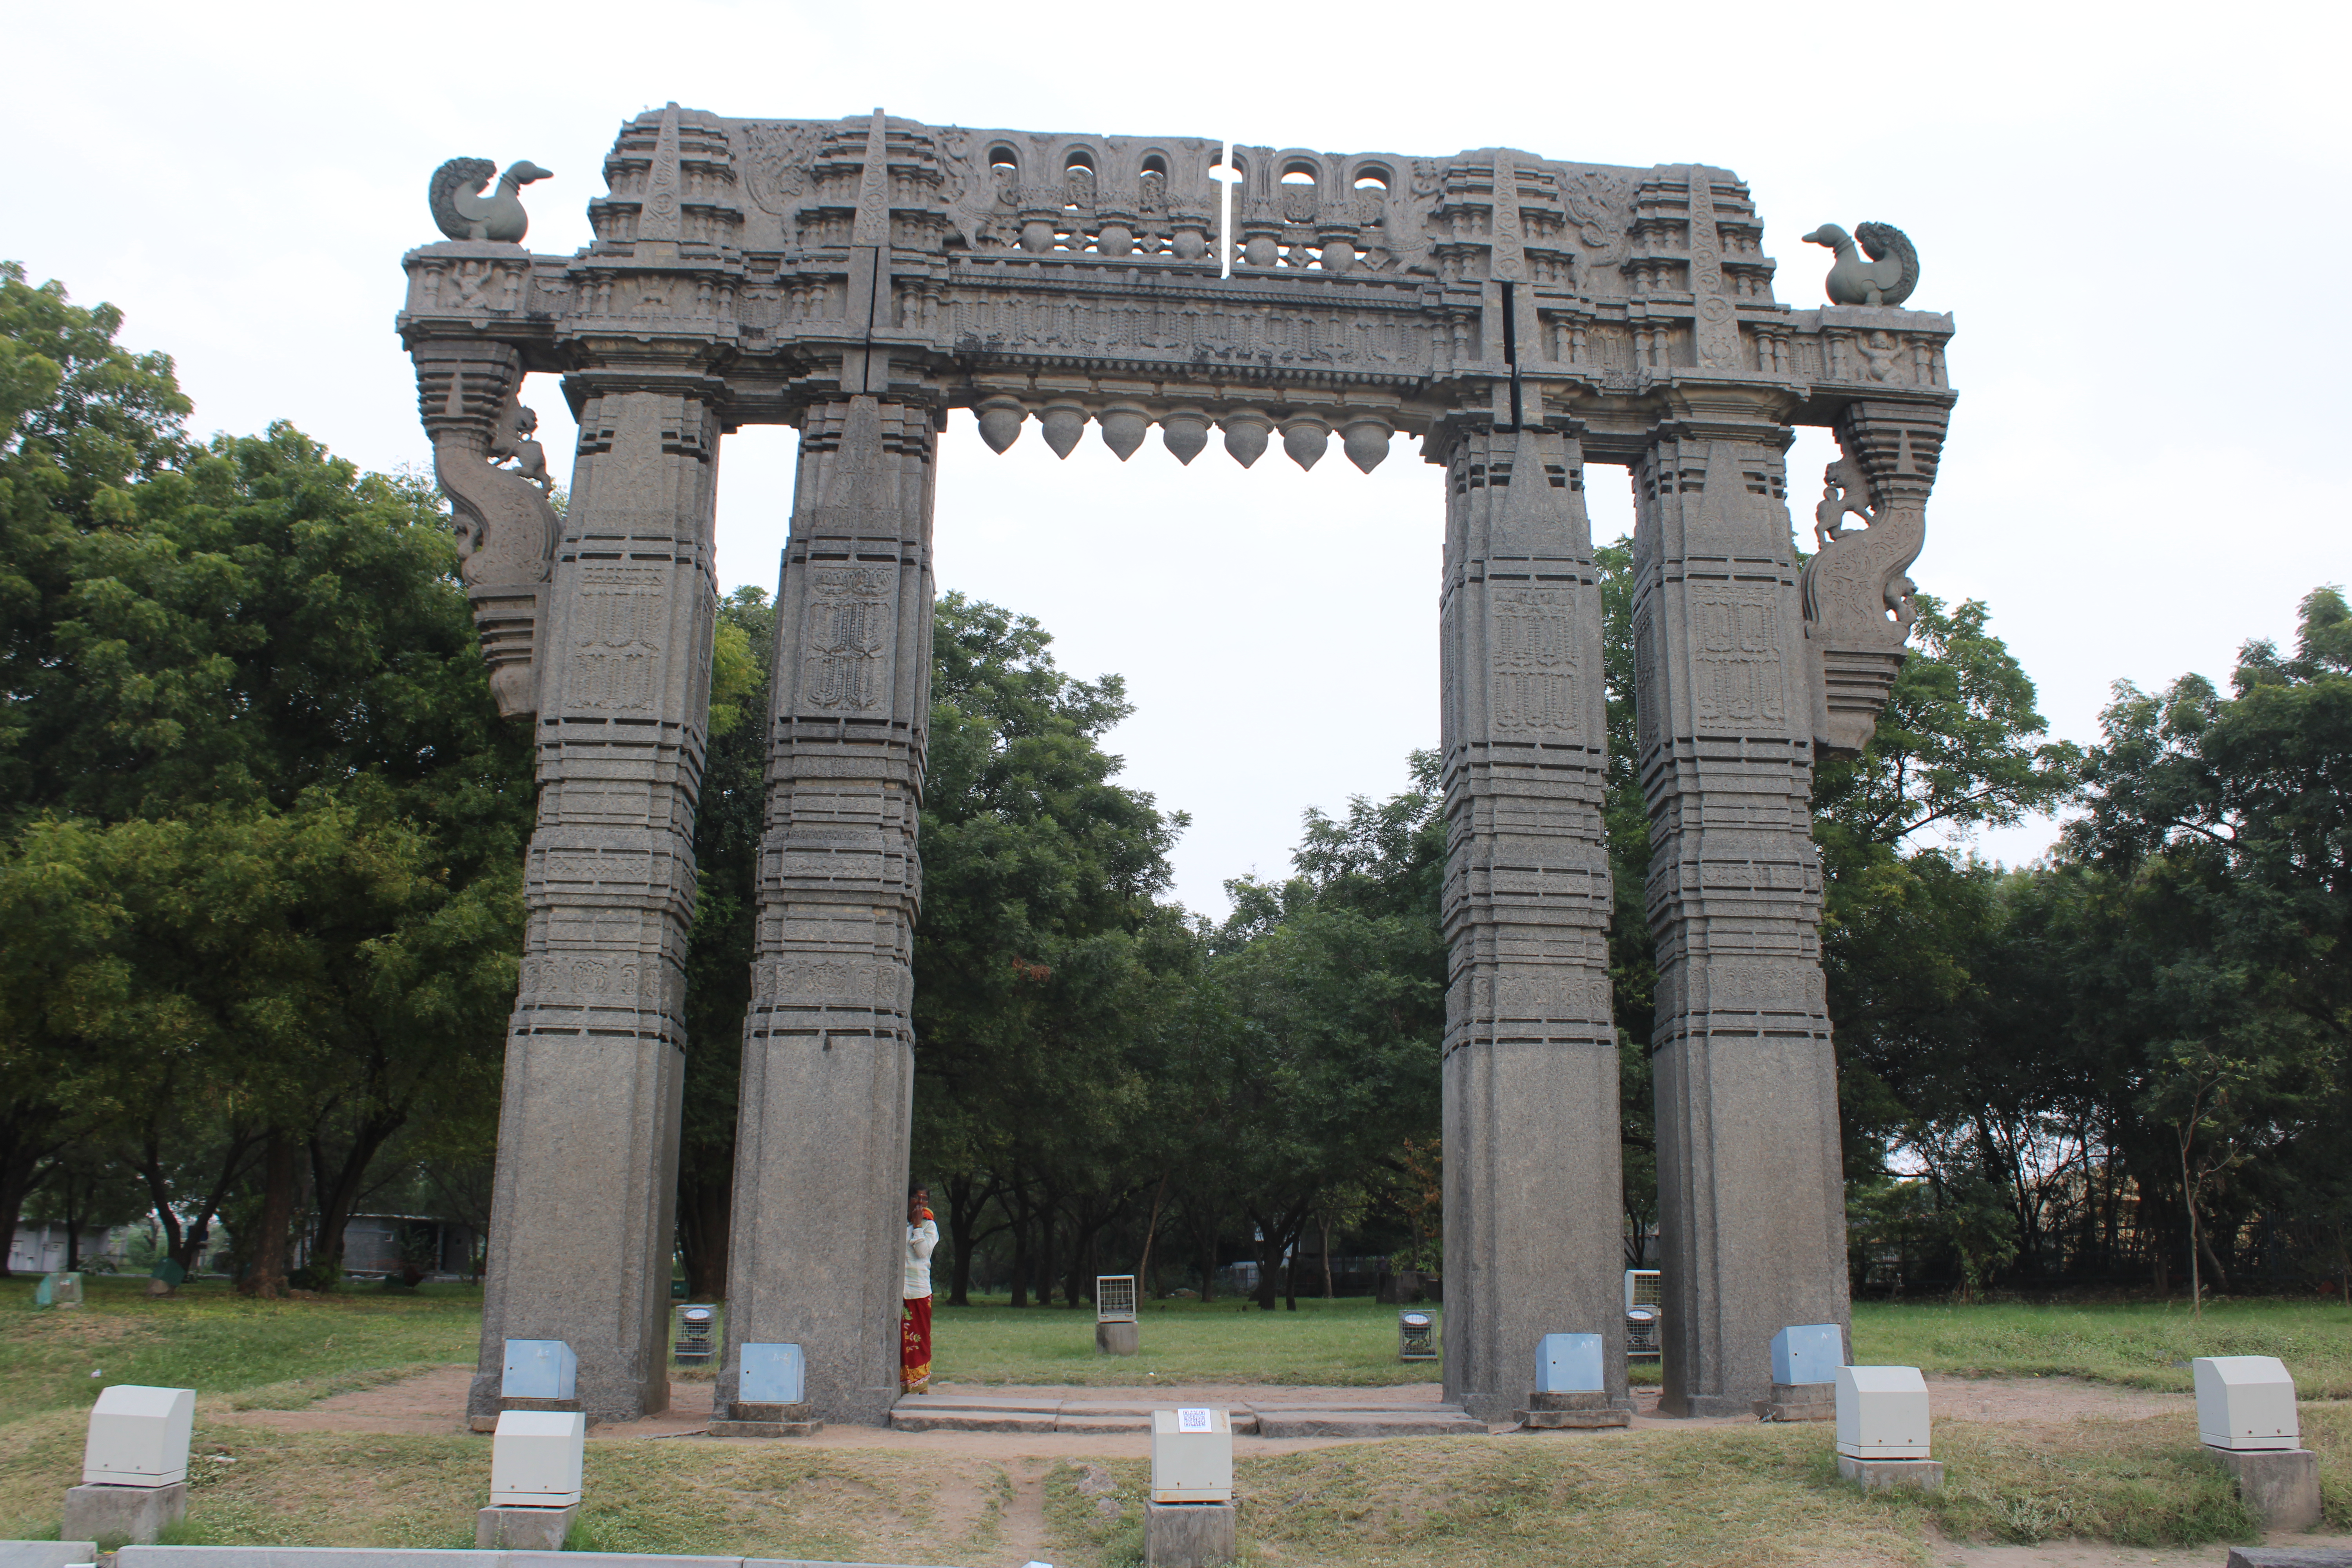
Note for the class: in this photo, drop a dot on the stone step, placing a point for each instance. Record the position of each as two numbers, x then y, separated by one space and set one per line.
765 1429
1275 1421
999 1420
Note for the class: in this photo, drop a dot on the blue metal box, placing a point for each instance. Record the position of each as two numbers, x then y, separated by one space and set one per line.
1809 1354
771 1374
1569 1363
539 1369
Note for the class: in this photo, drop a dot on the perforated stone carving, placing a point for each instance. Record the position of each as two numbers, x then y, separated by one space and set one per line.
1523 319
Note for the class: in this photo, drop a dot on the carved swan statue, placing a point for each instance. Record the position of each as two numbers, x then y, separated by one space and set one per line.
463 213
1887 279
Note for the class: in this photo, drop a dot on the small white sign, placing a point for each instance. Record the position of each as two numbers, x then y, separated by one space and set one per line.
1194 1421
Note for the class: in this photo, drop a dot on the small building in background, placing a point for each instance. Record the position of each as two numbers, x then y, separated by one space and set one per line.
392 1245
39 1248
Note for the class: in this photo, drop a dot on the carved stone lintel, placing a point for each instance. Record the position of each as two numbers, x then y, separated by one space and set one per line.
507 530
1858 606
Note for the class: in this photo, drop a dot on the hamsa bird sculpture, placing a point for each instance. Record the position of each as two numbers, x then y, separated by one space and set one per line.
1887 279
463 213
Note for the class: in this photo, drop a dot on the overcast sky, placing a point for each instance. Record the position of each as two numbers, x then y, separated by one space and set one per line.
2137 214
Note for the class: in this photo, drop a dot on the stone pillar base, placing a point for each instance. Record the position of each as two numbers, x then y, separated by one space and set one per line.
754 1420
136 1514
1887 1475
523 1529
2279 1485
1189 1534
490 1423
1118 1338
1799 1402
1585 1411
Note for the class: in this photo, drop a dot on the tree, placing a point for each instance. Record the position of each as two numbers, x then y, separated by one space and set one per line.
728 826
255 782
1040 945
2221 832
1332 988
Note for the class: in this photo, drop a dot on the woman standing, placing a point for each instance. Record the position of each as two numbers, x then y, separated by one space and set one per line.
915 1311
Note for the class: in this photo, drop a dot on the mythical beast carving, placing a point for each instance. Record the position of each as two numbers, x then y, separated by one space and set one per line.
1858 600
507 529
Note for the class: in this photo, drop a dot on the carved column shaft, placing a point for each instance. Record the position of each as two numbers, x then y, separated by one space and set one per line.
581 1210
1750 1185
828 1047
1533 1203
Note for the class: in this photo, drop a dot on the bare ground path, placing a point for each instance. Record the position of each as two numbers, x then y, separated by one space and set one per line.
435 1401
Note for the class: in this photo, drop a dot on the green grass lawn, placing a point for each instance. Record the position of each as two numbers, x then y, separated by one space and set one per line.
2138 1344
268 1354
1351 1342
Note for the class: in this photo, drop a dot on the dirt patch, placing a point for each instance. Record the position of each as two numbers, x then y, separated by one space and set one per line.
429 1404
434 1403
2046 1400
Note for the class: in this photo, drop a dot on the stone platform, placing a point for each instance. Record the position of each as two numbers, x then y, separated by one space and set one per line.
1581 1412
1377 1414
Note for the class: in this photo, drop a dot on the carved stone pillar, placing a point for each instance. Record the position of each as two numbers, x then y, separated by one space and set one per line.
1750 1182
467 396
581 1219
828 1049
1533 1206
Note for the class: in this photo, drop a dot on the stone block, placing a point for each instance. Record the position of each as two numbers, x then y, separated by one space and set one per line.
523 1529
46 1553
1118 1338
1573 1420
1568 1399
1799 1402
2279 1485
1190 1534
2289 1557
754 1410
1889 1474
753 1419
101 1512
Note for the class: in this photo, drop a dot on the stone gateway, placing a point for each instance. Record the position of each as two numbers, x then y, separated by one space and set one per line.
1526 319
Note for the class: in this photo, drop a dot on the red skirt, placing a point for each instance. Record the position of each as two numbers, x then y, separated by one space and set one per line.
915 1344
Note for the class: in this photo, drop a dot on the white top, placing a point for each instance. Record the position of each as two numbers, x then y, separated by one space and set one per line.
920 1241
